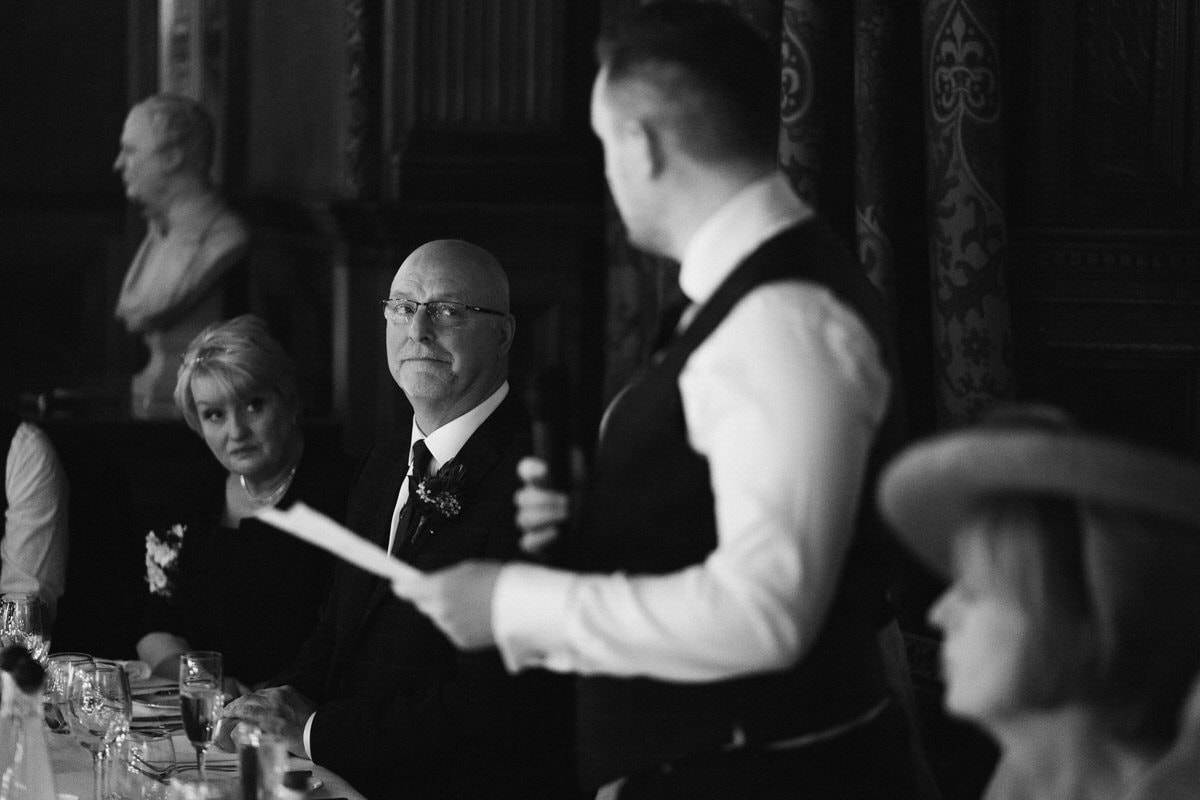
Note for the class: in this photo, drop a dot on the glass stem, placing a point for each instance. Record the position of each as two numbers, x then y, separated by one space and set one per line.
200 752
99 769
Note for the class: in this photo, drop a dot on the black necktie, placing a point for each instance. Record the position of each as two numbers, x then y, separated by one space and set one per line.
668 323
407 524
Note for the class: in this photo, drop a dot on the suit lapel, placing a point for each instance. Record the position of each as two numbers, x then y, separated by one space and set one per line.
479 456
368 589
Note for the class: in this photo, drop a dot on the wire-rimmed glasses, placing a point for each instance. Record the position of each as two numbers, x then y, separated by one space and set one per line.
443 313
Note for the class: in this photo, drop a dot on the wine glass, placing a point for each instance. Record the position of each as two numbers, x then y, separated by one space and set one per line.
200 699
145 763
100 706
57 689
22 622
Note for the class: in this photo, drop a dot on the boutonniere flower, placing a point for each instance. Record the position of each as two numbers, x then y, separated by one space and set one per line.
438 495
162 558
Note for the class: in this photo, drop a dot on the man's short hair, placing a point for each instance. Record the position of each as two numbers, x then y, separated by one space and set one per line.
181 122
702 70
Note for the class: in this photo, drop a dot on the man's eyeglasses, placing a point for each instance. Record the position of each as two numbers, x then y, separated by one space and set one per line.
444 313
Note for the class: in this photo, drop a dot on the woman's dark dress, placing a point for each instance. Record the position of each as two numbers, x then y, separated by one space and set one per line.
252 593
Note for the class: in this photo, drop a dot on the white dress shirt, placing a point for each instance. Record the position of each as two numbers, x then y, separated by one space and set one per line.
33 552
783 399
443 444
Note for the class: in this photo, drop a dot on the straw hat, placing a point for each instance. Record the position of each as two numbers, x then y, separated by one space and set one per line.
929 489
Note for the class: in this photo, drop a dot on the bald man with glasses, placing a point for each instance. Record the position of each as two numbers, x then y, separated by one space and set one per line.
378 694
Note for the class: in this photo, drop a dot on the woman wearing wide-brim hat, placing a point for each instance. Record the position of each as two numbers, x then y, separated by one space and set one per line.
1072 626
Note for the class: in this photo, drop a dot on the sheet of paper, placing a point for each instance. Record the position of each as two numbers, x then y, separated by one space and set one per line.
316 528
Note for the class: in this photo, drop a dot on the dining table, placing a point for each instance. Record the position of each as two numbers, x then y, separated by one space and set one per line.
71 763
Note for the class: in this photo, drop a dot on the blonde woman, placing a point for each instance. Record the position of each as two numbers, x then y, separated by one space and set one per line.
219 579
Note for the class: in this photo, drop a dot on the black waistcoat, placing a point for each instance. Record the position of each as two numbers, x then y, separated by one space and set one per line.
650 511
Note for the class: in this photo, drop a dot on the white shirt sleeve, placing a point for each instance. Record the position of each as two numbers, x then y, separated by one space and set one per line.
33 552
783 399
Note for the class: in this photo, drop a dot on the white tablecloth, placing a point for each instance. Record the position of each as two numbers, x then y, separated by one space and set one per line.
72 764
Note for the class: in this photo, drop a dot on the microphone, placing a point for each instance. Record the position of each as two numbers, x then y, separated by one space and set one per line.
548 398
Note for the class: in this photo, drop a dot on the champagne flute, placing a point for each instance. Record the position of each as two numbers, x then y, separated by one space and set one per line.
57 690
100 707
200 699
22 622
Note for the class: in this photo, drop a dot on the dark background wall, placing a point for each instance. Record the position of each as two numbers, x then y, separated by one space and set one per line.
1104 174
355 130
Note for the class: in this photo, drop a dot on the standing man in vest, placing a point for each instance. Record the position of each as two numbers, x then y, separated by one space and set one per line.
177 282
723 612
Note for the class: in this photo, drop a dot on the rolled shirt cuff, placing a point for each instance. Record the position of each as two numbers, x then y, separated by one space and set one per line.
529 617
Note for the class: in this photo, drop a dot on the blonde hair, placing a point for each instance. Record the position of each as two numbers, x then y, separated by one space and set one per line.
242 357
1113 600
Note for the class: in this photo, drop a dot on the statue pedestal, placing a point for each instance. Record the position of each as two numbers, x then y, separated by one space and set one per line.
152 391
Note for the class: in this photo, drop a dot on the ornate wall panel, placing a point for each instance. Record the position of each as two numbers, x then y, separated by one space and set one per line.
467 65
1113 123
1106 258
967 223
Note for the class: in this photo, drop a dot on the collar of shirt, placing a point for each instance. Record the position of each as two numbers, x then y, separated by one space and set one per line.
446 441
735 230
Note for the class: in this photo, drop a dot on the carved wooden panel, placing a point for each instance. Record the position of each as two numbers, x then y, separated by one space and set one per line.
1109 327
1112 120
1104 164
463 64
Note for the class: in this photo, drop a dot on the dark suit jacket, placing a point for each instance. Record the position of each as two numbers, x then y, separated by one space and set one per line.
401 712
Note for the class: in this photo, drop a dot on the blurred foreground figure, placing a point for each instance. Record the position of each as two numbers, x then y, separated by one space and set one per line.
175 285
33 541
1072 627
724 609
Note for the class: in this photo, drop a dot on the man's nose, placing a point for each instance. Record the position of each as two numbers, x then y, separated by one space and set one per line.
421 327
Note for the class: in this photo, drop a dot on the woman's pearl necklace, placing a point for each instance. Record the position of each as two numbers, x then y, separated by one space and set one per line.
274 495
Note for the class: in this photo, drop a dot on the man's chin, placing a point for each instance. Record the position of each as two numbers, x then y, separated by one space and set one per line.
424 383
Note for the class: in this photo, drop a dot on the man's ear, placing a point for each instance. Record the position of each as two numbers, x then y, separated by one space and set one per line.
645 147
507 330
172 158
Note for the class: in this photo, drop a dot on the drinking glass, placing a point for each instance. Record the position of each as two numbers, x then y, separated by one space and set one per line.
145 763
22 622
57 689
99 707
200 699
